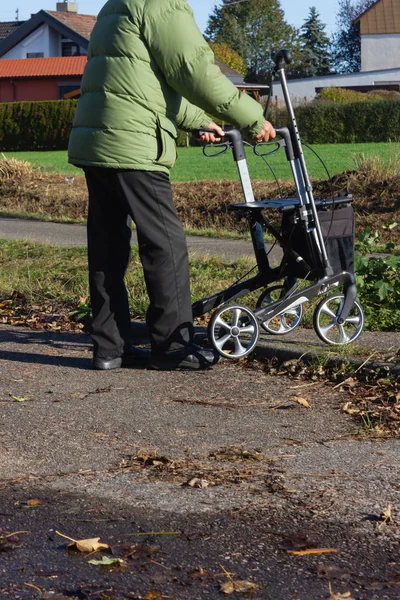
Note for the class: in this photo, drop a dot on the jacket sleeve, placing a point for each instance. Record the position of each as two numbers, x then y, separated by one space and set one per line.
191 117
187 63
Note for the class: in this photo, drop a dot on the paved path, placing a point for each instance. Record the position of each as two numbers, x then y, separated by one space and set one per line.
109 454
62 234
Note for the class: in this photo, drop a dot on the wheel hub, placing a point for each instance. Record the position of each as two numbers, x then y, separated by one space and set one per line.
235 331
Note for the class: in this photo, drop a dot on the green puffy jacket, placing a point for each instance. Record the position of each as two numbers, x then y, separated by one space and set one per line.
148 65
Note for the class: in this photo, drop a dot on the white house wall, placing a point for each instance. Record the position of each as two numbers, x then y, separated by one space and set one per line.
303 90
44 39
380 50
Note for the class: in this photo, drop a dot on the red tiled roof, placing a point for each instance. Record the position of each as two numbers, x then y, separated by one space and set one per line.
42 67
82 24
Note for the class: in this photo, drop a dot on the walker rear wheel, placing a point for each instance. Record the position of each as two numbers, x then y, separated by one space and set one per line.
285 322
326 324
233 331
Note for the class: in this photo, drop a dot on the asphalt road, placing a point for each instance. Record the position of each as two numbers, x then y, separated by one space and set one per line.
111 454
60 234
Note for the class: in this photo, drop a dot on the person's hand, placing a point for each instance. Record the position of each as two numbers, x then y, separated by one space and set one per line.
266 133
209 138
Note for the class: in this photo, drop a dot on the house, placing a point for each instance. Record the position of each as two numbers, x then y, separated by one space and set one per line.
380 35
50 37
380 57
40 78
50 33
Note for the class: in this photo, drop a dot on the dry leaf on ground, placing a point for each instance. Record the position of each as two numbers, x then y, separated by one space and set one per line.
312 551
347 408
196 482
386 516
241 587
301 401
345 596
105 561
88 545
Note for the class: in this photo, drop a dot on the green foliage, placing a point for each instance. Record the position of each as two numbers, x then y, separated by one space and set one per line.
343 95
314 44
36 125
378 284
255 29
228 56
349 122
346 47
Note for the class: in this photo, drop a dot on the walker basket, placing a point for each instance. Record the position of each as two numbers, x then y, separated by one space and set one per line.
337 228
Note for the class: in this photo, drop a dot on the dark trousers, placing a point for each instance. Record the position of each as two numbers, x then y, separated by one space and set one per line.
115 197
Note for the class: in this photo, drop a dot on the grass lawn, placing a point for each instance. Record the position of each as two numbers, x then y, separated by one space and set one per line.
192 165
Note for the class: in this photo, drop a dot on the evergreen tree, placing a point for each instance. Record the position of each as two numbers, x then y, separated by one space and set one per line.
346 54
314 45
256 29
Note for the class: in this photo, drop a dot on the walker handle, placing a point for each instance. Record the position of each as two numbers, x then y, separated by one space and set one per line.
235 138
281 57
284 133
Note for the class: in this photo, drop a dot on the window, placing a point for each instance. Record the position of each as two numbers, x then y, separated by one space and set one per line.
35 55
69 49
66 88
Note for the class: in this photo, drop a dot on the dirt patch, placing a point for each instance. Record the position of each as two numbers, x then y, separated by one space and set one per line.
202 204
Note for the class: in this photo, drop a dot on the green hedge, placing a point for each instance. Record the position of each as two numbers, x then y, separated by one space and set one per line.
43 126
36 125
353 122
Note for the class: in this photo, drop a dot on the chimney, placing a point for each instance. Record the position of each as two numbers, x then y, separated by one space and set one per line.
71 7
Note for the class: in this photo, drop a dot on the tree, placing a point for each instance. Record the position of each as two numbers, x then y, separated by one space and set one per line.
228 56
314 45
346 47
256 29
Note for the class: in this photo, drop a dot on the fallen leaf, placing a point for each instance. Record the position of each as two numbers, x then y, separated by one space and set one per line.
241 587
312 551
350 411
88 545
20 398
345 596
196 482
34 502
301 401
386 516
105 561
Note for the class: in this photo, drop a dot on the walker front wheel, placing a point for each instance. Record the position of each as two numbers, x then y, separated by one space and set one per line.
233 331
286 321
326 323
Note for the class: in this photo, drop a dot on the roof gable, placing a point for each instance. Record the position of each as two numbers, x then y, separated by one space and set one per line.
75 27
382 17
17 68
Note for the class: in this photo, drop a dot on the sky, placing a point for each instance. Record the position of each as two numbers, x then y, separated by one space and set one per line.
296 11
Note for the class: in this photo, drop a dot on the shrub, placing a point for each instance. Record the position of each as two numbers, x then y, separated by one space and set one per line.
36 125
378 285
350 122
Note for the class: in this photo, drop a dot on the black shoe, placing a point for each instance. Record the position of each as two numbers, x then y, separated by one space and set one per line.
132 357
193 357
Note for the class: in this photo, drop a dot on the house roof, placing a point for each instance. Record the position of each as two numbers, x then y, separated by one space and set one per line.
78 28
17 68
82 24
75 27
7 27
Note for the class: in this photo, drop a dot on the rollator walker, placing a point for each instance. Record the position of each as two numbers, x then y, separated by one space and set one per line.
317 241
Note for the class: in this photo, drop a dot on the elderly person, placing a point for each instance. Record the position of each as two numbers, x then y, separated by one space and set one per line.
149 71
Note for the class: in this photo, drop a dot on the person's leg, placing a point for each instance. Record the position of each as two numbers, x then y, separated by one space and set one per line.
109 236
163 252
